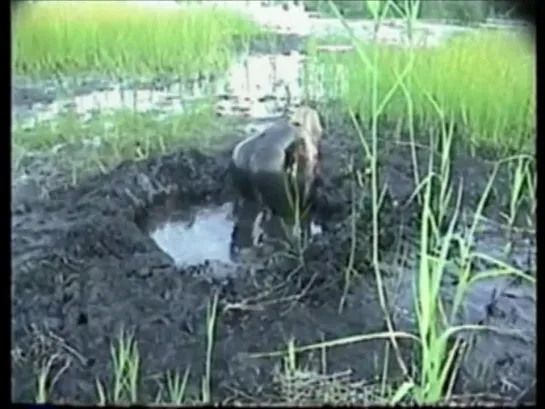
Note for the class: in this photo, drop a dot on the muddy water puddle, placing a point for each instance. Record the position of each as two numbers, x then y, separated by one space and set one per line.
128 282
197 236
203 236
254 87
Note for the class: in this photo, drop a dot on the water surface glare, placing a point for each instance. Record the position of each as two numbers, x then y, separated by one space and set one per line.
191 239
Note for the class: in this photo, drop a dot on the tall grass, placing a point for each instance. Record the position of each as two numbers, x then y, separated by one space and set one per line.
444 92
481 83
120 37
403 89
484 82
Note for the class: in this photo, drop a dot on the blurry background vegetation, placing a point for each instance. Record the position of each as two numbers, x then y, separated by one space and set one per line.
459 11
455 11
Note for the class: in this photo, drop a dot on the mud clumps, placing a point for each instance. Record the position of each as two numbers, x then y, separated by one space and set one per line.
84 268
62 246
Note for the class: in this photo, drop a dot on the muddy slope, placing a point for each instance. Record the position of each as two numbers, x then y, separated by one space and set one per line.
83 269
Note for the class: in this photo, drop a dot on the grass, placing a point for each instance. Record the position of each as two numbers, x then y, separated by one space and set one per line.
470 83
484 83
433 88
107 139
120 38
126 363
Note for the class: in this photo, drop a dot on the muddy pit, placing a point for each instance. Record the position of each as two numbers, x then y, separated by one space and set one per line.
195 235
204 234
146 247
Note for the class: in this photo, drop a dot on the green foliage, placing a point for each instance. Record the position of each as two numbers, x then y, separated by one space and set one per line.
484 82
121 38
463 11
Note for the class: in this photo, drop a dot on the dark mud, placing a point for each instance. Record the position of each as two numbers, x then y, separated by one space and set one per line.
84 266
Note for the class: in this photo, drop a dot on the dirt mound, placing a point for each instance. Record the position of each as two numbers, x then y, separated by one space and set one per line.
83 269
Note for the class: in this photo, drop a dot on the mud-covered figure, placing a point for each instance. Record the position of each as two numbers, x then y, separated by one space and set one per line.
278 168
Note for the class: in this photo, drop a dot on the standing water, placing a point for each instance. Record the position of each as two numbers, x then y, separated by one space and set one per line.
254 86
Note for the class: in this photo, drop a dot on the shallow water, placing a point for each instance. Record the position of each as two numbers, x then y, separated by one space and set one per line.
254 86
203 234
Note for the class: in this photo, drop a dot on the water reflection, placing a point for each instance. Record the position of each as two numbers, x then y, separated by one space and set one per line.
254 85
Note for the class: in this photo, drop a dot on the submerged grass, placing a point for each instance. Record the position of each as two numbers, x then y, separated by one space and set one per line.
123 38
483 82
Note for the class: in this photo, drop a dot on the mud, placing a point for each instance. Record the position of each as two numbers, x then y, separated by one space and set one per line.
92 260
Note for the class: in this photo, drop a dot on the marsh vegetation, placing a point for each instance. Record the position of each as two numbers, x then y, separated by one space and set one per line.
420 287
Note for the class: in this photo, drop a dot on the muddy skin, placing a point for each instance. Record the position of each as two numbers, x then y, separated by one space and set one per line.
84 266
309 126
278 167
280 192
244 235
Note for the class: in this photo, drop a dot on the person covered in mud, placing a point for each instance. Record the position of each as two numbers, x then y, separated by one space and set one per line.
277 169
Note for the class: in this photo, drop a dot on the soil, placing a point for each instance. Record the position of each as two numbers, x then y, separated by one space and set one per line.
85 266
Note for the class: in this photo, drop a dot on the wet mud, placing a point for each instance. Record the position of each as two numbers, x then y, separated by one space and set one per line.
145 248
